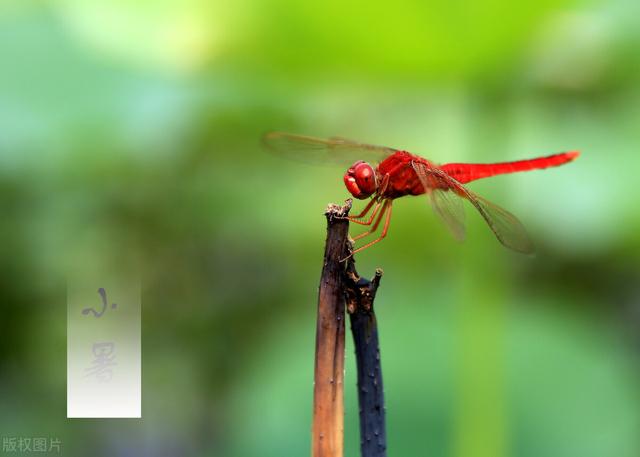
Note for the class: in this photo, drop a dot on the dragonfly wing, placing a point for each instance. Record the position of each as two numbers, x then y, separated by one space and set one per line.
506 227
450 208
446 203
330 151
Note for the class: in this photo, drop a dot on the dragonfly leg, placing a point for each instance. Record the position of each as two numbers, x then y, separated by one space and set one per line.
385 229
364 211
384 184
377 223
356 219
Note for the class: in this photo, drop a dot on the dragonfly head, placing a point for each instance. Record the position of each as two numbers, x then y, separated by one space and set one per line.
361 180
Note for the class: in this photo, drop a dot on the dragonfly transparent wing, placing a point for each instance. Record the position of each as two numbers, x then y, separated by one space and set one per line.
445 202
446 196
450 208
330 151
507 228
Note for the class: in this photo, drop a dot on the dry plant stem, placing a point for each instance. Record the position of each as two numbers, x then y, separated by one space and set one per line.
327 435
360 296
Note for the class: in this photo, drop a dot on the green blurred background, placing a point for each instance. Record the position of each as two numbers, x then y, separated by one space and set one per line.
129 136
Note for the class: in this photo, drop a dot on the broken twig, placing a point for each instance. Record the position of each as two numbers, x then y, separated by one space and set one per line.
364 327
327 436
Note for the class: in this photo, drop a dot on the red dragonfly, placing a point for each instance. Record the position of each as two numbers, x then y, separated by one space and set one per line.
398 173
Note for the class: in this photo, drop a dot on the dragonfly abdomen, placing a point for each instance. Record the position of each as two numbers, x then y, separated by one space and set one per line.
466 172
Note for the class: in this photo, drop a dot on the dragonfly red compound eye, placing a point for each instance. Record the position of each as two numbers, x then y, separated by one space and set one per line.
360 180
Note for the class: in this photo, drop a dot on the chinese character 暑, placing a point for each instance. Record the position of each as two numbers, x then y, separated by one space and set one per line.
104 360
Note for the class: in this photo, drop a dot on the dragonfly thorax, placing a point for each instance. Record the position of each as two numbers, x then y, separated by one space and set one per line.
361 180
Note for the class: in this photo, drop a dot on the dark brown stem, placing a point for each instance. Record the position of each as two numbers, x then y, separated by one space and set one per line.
360 296
327 439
